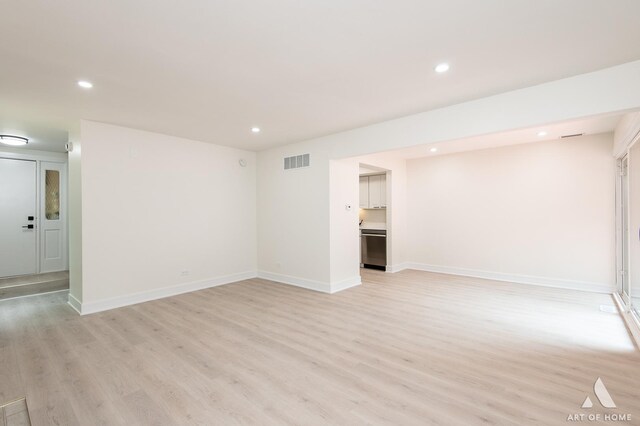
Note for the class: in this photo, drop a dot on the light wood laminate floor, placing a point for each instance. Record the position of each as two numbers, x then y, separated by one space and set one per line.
405 348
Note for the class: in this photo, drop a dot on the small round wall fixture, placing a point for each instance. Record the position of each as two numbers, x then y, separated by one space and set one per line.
242 162
13 140
442 68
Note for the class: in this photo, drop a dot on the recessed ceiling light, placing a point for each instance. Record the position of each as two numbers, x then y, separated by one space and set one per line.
542 133
255 129
13 140
443 67
85 84
434 150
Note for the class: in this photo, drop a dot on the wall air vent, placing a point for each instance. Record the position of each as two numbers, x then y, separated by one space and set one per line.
296 162
575 135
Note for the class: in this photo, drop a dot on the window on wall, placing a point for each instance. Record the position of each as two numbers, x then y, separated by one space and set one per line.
52 194
631 292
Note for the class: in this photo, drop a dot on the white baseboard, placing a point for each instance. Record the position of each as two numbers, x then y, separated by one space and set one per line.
345 284
396 268
145 296
632 323
516 278
320 286
295 281
75 303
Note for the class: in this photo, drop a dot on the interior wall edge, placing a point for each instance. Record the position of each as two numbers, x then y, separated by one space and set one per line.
593 287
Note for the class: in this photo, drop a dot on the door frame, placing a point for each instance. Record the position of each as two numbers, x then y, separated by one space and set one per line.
47 157
622 212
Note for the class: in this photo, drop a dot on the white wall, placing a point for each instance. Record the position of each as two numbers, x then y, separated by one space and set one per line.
75 220
154 206
540 212
297 208
344 258
293 218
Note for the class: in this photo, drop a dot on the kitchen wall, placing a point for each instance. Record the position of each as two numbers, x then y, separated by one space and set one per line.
373 215
162 215
540 212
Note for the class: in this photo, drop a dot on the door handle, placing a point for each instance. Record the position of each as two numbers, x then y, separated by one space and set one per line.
28 226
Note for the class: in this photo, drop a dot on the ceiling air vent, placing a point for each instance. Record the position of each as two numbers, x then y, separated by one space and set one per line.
296 162
575 135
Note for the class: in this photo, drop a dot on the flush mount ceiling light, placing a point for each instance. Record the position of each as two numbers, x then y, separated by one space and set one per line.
13 140
255 129
85 84
542 134
443 67
434 150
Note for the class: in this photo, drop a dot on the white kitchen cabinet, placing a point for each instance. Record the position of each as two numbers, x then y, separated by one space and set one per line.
364 192
373 192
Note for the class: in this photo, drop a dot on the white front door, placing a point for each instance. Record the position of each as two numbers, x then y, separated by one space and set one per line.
18 231
52 217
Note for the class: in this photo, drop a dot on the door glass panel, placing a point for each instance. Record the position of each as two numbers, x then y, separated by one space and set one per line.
52 194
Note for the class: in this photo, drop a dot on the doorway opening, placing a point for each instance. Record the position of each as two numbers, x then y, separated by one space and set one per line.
33 224
374 217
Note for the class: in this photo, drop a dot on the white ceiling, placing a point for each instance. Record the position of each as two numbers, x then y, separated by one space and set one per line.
586 126
210 70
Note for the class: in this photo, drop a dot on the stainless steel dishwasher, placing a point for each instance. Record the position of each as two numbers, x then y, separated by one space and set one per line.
373 245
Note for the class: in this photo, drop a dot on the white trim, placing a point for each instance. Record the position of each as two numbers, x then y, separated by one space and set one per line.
33 155
145 296
633 325
516 278
75 303
319 286
295 281
345 284
32 295
397 268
